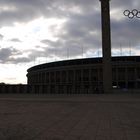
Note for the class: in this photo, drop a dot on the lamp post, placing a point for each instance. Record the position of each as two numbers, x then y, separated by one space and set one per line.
106 46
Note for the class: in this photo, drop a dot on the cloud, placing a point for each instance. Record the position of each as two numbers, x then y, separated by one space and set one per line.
6 53
15 40
125 32
27 10
19 60
12 56
80 31
1 36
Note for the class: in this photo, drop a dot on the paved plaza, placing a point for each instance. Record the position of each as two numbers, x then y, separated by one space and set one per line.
75 117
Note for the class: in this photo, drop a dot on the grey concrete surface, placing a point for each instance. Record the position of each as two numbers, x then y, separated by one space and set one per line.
75 117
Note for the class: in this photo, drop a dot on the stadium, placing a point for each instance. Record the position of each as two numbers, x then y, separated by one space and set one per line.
84 76
89 75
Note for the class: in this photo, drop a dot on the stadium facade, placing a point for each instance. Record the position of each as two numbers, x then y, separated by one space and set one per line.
83 76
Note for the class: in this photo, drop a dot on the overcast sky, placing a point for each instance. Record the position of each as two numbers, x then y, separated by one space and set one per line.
39 31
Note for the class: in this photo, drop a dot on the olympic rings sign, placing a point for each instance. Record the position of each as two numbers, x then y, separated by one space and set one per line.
132 14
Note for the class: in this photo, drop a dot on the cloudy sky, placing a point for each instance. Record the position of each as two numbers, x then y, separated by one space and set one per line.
39 31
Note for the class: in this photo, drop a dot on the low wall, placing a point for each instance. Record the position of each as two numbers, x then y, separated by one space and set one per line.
19 88
37 89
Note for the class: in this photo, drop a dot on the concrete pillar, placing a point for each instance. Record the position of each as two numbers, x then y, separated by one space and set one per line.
106 46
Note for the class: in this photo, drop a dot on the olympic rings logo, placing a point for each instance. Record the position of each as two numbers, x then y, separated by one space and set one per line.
132 14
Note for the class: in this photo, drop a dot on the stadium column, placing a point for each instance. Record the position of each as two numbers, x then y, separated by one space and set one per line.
106 46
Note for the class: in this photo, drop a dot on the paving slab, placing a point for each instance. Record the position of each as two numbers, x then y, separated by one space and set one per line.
71 117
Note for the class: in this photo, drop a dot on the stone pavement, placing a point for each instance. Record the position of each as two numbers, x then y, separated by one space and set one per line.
95 117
